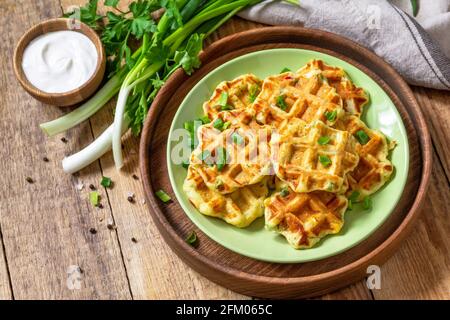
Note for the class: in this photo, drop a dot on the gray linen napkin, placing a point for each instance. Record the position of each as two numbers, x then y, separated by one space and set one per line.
419 48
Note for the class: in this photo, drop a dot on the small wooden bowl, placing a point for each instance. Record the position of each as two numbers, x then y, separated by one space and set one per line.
70 97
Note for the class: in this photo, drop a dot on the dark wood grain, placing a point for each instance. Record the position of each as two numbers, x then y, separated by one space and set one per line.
66 98
253 277
45 224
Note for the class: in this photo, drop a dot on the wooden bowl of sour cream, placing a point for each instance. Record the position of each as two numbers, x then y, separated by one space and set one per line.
60 61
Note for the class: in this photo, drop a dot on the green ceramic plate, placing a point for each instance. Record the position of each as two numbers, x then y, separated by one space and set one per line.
255 241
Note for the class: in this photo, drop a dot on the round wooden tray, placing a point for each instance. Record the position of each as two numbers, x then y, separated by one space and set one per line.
270 280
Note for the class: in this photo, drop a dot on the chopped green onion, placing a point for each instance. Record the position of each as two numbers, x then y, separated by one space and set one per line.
237 138
163 196
362 137
226 125
191 239
415 7
367 203
331 186
350 204
223 99
218 124
221 158
205 155
253 92
226 107
285 69
106 182
354 196
281 103
284 192
325 160
189 125
94 198
323 140
331 116
185 164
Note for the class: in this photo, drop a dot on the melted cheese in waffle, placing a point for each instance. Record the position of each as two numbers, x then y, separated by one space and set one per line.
240 92
305 218
307 165
247 146
353 97
239 208
374 168
290 95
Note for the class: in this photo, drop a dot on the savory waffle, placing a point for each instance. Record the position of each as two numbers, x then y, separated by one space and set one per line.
304 218
290 95
297 133
231 158
317 159
235 94
239 208
353 97
374 168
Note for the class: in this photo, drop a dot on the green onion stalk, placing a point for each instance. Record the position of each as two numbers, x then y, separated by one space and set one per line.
146 69
138 86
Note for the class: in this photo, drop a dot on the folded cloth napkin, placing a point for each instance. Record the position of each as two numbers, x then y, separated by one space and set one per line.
419 48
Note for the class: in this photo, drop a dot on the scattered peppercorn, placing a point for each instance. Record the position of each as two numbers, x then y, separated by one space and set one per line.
135 177
134 240
63 139
111 226
29 180
100 206
45 159
91 186
92 230
130 199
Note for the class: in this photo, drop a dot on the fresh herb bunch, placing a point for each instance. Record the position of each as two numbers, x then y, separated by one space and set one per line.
174 41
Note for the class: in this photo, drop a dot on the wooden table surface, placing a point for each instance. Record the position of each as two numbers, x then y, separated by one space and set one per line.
45 226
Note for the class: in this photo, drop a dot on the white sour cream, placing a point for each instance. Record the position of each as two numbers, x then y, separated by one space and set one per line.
59 61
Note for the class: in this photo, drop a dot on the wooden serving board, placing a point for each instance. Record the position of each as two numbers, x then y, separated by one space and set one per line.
270 280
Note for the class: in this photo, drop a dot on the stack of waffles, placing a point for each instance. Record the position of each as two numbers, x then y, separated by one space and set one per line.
292 148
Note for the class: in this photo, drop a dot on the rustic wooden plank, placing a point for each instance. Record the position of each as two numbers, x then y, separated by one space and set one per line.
436 107
45 224
357 291
154 271
5 287
420 268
